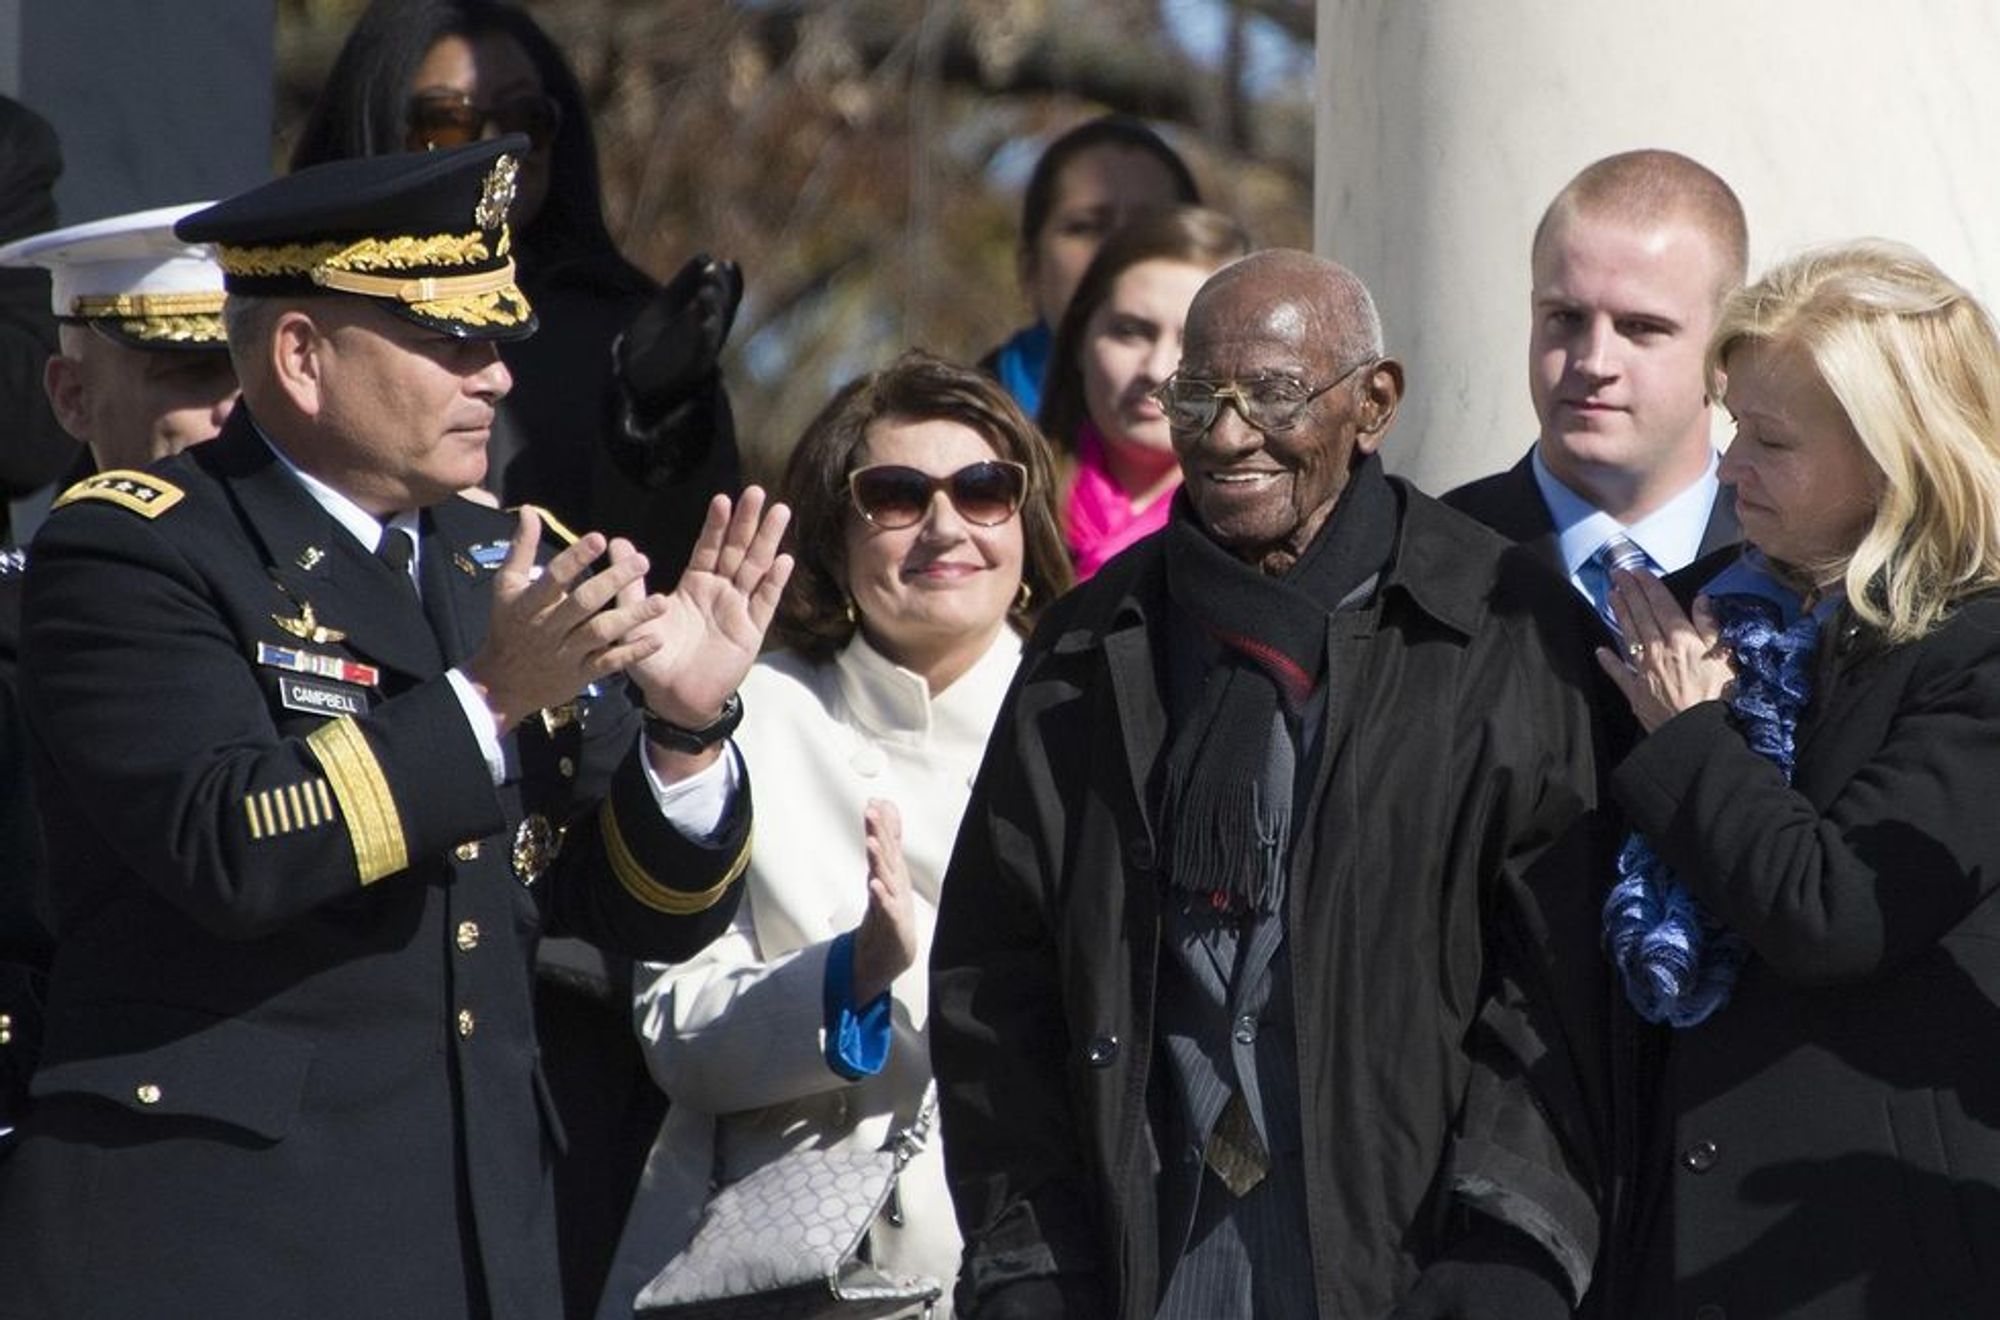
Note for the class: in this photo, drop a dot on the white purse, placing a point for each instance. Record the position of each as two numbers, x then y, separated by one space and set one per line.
788 1241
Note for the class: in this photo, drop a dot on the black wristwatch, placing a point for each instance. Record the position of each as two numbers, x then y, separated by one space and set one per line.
683 739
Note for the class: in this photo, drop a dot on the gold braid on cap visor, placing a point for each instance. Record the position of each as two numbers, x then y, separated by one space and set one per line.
144 306
403 252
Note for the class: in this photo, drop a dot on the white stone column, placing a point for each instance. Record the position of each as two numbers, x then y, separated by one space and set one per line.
155 101
1445 126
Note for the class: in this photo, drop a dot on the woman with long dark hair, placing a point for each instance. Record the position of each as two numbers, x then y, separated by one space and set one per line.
1117 343
1086 183
618 420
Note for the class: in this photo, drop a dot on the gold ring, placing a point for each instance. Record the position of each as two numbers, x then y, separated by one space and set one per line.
1635 650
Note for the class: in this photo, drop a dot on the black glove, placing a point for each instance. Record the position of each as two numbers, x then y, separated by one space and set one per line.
1499 1273
671 347
1061 1297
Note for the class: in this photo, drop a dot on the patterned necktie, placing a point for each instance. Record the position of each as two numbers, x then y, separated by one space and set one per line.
1235 1152
1618 552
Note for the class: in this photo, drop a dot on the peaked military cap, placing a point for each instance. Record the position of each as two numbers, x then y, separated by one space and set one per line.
128 277
424 232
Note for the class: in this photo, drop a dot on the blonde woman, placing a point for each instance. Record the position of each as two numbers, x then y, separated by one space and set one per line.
1807 902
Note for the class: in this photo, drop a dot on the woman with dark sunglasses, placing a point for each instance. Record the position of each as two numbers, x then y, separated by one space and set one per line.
633 446
924 528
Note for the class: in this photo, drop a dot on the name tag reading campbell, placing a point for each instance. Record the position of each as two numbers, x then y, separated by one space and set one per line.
317 697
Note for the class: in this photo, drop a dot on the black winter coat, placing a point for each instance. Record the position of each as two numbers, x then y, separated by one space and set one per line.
1830 1140
1445 985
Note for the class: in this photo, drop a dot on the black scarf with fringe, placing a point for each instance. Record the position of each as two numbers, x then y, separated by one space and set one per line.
1227 818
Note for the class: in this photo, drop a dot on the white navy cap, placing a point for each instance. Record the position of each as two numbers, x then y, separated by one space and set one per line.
129 277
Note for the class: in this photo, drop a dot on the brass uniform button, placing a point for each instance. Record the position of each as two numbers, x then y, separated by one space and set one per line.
465 1024
6 1028
567 766
468 936
535 846
1700 1157
147 1093
467 851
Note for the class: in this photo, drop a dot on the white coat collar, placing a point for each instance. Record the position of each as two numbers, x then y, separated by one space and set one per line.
894 704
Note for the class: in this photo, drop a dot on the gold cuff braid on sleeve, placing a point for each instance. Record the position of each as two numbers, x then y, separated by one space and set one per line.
362 790
640 884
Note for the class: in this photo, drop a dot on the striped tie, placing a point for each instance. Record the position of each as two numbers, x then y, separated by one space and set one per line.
1620 551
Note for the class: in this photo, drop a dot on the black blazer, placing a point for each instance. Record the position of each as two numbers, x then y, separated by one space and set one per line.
290 1065
1511 504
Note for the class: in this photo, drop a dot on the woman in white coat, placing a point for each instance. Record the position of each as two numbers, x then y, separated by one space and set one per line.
926 537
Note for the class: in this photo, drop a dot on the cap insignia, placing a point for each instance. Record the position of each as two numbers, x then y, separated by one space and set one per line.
497 193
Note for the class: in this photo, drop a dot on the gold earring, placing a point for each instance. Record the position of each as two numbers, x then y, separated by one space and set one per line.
847 608
1021 598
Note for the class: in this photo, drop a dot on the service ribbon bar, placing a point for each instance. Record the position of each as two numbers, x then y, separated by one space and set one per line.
323 666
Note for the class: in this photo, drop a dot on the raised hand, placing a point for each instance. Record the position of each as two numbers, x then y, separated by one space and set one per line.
702 641
885 943
552 634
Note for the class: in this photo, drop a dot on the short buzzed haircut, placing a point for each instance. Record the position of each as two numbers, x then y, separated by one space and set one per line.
1647 187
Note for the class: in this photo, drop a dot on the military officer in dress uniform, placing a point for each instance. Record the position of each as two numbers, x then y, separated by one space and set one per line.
321 749
140 371
143 370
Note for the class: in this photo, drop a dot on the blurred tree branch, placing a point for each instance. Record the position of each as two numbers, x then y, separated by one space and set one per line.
863 159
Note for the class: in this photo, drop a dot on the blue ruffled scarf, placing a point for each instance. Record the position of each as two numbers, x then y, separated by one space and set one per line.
1677 962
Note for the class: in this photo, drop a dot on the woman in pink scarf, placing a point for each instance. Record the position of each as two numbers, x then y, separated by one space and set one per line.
1119 340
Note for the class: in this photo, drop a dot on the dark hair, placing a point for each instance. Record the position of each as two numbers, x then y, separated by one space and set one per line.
1121 131
813 616
363 111
1193 234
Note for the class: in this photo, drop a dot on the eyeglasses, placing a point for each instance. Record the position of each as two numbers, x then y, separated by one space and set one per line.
892 496
450 119
1269 403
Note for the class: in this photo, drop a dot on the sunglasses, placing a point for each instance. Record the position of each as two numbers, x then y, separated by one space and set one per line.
891 496
450 119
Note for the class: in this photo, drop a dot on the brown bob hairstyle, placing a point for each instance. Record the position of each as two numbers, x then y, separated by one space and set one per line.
813 616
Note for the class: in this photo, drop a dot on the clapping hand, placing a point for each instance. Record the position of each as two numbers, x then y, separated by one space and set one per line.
885 943
554 632
693 651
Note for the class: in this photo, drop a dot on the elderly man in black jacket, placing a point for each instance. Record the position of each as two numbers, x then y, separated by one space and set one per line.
1244 1001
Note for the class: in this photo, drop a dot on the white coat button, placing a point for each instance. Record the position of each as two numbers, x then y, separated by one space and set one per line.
868 761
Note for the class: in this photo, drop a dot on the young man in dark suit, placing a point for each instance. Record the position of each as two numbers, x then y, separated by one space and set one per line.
1631 261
